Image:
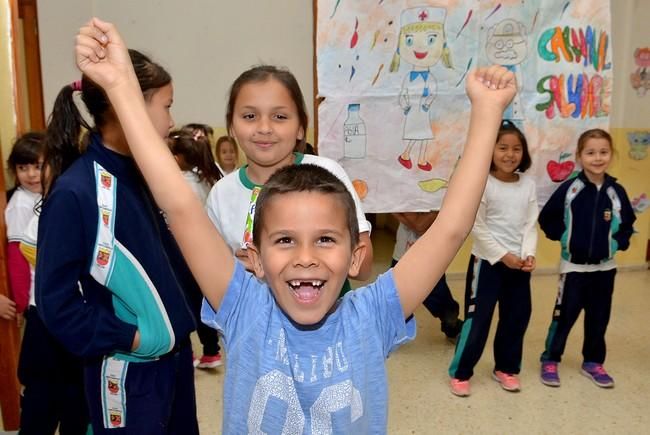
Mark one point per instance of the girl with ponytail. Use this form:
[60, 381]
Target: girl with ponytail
[102, 233]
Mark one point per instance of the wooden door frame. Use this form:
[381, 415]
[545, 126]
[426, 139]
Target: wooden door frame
[32, 83]
[9, 333]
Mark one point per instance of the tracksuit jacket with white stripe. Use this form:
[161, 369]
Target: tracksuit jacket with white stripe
[100, 232]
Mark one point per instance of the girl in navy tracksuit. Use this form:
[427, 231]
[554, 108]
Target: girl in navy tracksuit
[109, 276]
[592, 218]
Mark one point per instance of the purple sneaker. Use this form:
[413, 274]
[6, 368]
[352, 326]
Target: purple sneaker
[549, 375]
[596, 372]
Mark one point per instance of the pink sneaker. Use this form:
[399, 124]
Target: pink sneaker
[459, 388]
[508, 382]
[210, 362]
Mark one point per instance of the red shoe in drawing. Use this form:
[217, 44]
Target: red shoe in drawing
[426, 167]
[405, 162]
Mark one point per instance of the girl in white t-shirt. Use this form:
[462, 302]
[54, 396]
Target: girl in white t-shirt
[503, 256]
[194, 157]
[25, 163]
[262, 101]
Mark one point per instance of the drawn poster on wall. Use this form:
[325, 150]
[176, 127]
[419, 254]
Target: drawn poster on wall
[392, 73]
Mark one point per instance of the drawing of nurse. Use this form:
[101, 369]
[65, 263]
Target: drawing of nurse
[421, 44]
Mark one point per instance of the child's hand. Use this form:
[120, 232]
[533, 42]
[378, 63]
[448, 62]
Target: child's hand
[7, 308]
[136, 341]
[512, 261]
[529, 264]
[101, 54]
[493, 85]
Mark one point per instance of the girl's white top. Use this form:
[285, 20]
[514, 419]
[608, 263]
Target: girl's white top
[201, 188]
[506, 220]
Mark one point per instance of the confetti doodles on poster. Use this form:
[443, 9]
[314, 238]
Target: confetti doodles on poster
[469, 17]
[493, 11]
[374, 39]
[565, 8]
[353, 70]
[433, 185]
[381, 67]
[534, 20]
[355, 35]
[336, 6]
[469, 64]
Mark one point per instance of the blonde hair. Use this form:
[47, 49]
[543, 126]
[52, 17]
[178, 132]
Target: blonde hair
[421, 27]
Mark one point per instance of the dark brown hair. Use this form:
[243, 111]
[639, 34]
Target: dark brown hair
[27, 149]
[305, 178]
[263, 73]
[65, 121]
[195, 150]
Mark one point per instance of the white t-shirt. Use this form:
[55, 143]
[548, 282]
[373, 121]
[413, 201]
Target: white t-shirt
[202, 189]
[19, 212]
[18, 215]
[506, 220]
[29, 239]
[229, 200]
[404, 239]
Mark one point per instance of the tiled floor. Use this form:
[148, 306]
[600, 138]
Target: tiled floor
[420, 401]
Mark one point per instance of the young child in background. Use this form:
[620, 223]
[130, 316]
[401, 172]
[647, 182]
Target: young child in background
[503, 256]
[199, 129]
[592, 218]
[52, 377]
[263, 102]
[100, 230]
[439, 302]
[194, 157]
[191, 148]
[24, 162]
[301, 359]
[52, 396]
[227, 154]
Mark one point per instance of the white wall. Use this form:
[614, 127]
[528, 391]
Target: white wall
[630, 30]
[204, 44]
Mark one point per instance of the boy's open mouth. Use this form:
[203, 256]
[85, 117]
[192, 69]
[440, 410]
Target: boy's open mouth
[306, 291]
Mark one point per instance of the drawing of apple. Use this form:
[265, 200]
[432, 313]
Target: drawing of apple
[560, 170]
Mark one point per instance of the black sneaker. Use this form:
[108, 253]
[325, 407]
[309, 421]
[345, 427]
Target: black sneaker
[452, 329]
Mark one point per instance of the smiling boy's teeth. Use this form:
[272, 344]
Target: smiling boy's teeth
[299, 283]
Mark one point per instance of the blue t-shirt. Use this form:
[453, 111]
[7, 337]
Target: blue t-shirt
[287, 378]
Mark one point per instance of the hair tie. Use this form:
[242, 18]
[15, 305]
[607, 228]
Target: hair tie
[76, 85]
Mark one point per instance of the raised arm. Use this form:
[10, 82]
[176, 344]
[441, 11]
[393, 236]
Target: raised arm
[490, 90]
[103, 57]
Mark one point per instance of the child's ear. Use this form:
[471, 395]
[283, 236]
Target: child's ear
[301, 134]
[358, 254]
[255, 260]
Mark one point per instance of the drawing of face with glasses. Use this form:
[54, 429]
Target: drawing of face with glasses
[506, 43]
